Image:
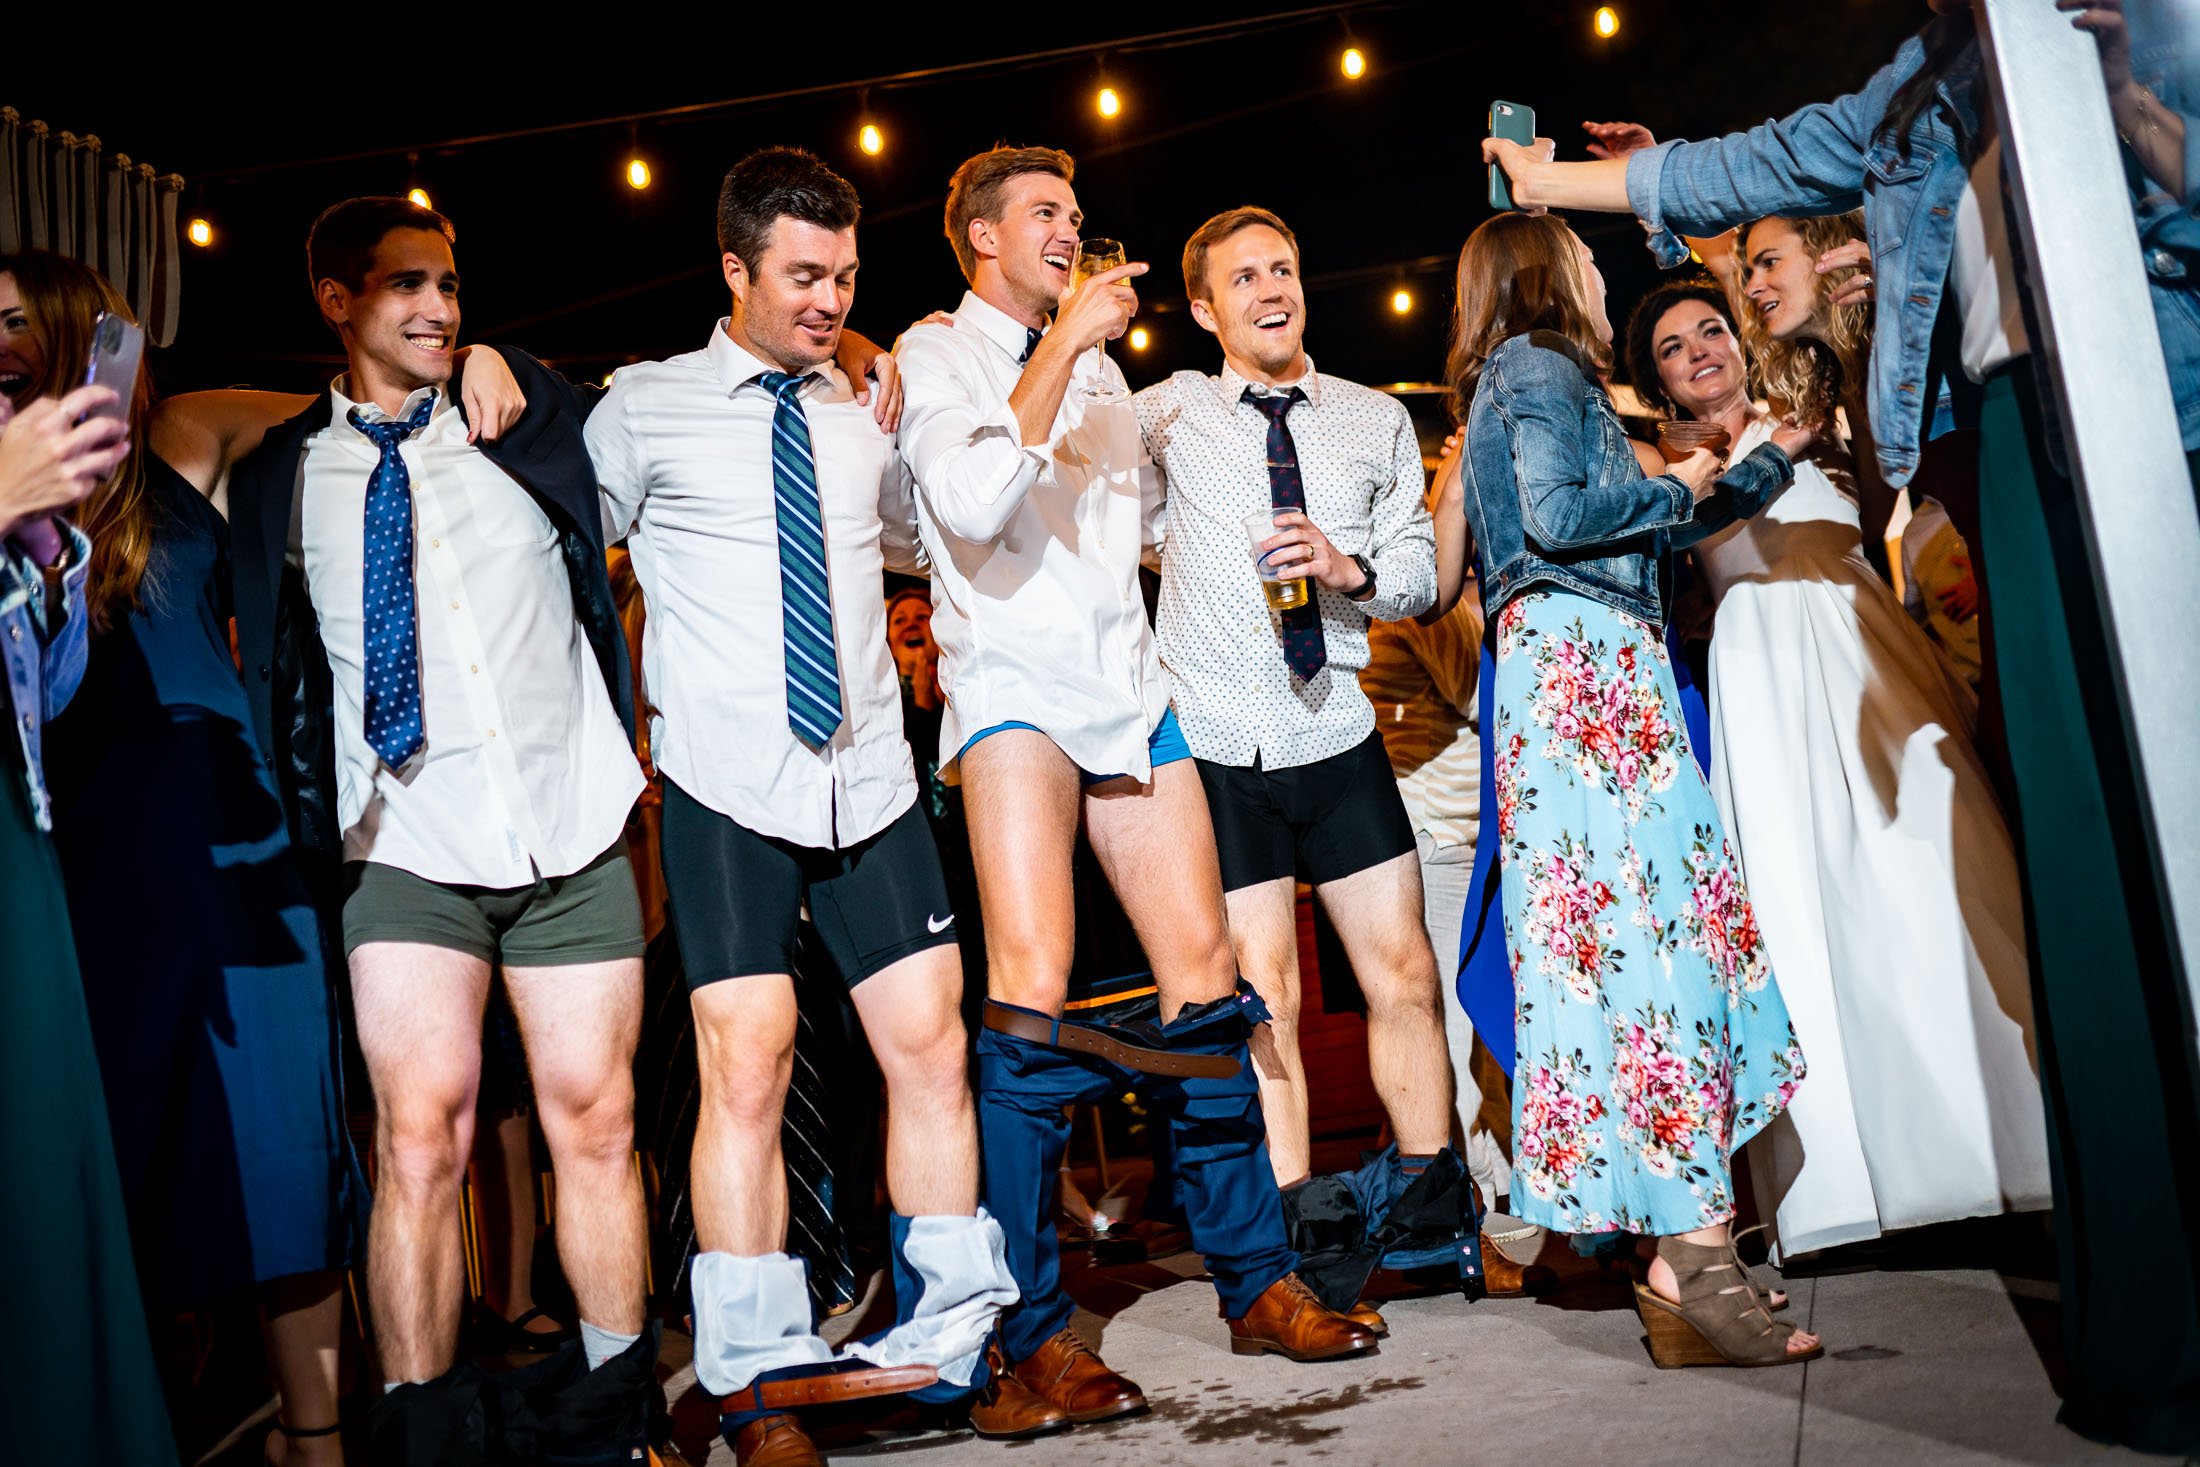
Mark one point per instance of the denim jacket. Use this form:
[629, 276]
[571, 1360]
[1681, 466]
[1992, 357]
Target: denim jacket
[1827, 159]
[45, 660]
[1554, 493]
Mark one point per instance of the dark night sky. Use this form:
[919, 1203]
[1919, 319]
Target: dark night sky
[1379, 178]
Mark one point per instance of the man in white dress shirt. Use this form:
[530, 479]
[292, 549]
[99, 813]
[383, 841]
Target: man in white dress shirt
[433, 662]
[1032, 500]
[764, 504]
[1296, 779]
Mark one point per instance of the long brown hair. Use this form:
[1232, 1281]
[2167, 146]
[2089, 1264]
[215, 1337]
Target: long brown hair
[1518, 273]
[62, 302]
[1809, 374]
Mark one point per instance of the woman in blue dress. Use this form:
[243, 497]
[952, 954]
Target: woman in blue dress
[1651, 1040]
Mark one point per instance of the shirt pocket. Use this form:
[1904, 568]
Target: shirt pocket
[508, 517]
[1894, 187]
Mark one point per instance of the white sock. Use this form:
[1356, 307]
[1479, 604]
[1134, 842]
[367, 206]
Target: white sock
[601, 1344]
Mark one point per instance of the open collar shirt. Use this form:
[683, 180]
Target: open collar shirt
[683, 452]
[526, 772]
[1360, 463]
[1035, 550]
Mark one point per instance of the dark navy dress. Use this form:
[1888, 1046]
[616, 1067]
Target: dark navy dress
[204, 964]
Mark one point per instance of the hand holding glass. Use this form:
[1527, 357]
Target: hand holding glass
[1096, 257]
[1283, 594]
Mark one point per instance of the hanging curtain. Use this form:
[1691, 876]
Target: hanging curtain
[117, 216]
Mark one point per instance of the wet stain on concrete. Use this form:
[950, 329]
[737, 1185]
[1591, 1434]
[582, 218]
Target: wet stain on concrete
[1865, 1352]
[1294, 1424]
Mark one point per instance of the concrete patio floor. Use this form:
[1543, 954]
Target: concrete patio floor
[1924, 1364]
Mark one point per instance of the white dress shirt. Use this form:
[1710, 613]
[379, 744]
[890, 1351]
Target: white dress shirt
[683, 452]
[526, 772]
[1035, 551]
[1360, 464]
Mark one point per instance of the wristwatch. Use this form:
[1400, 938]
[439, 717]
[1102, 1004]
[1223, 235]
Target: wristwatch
[1366, 588]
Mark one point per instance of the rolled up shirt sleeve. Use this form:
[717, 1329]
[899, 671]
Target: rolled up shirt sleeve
[971, 464]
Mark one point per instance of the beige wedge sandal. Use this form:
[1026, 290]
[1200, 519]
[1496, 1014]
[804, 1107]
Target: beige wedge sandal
[1720, 1318]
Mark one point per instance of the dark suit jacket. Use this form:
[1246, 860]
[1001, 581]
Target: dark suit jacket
[286, 671]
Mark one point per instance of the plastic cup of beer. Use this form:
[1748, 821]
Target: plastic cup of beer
[1282, 594]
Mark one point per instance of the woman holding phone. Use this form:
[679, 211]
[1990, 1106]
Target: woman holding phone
[1918, 147]
[1651, 1040]
[203, 960]
[1884, 877]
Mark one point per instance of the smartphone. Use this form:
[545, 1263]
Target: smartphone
[1515, 123]
[118, 347]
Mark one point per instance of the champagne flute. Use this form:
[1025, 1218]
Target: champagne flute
[1095, 257]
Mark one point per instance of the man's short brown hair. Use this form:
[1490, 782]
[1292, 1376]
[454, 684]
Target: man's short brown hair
[1218, 229]
[975, 191]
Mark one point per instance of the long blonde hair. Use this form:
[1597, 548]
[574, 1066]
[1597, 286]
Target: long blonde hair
[62, 302]
[1808, 375]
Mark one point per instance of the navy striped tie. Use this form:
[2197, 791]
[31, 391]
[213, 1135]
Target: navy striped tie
[813, 672]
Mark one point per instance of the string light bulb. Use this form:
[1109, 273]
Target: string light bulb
[200, 232]
[1607, 22]
[1353, 63]
[871, 140]
[1141, 338]
[1401, 301]
[419, 197]
[637, 173]
[1110, 102]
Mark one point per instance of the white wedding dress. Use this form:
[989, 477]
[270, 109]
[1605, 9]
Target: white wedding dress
[1884, 881]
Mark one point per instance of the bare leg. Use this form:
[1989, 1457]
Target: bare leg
[1157, 847]
[1264, 929]
[300, 1320]
[912, 1014]
[744, 1051]
[580, 1023]
[1377, 913]
[1020, 800]
[504, 1201]
[419, 1016]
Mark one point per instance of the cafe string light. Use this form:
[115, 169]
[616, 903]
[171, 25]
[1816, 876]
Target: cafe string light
[419, 197]
[637, 173]
[1353, 63]
[1109, 102]
[871, 140]
[1141, 338]
[1607, 22]
[1401, 301]
[200, 232]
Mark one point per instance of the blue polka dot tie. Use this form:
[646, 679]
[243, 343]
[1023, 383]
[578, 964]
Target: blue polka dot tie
[806, 599]
[394, 727]
[1303, 647]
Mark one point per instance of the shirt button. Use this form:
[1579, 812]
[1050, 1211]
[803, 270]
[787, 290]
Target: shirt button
[435, 544]
[454, 606]
[15, 634]
[30, 720]
[473, 667]
[492, 733]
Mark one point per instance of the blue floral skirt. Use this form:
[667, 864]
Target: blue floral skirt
[1651, 1038]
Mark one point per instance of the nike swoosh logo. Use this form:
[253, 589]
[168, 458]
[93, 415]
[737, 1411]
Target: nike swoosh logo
[940, 924]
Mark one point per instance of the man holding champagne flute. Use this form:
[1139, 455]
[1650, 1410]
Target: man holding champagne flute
[1320, 479]
[1032, 498]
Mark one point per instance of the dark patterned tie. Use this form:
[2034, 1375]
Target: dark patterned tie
[395, 730]
[806, 599]
[1303, 647]
[1031, 343]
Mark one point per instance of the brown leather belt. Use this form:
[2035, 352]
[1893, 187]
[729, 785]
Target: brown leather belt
[828, 1388]
[1037, 1029]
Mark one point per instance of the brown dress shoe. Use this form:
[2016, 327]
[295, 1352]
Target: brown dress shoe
[1369, 1318]
[1065, 1372]
[1009, 1408]
[1504, 1279]
[774, 1441]
[1289, 1320]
